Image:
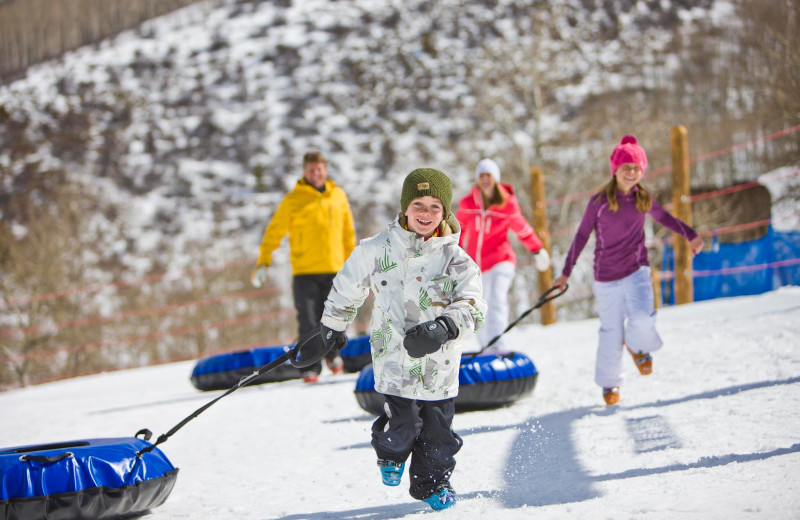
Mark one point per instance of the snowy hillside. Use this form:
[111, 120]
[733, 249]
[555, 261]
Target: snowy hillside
[712, 434]
[137, 174]
[190, 128]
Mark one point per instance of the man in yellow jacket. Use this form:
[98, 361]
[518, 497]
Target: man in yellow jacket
[318, 219]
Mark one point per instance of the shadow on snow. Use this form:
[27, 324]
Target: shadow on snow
[543, 467]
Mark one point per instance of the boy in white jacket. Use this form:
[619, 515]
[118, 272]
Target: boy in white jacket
[427, 299]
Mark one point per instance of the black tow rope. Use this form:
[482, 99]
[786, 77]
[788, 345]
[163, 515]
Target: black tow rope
[307, 351]
[544, 298]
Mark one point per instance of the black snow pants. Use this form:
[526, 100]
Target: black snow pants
[424, 430]
[310, 292]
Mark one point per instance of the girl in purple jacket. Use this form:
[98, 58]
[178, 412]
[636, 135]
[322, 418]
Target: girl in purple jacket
[622, 287]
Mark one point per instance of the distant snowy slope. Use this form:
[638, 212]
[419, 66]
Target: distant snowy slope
[712, 434]
[192, 126]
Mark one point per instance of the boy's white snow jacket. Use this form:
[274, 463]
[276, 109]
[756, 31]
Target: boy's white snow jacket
[413, 281]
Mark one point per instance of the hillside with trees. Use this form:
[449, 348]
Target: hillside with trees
[138, 172]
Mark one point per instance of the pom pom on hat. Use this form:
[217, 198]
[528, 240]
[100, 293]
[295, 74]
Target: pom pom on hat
[427, 181]
[628, 151]
[488, 166]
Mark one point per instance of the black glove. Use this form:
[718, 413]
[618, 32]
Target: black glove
[335, 340]
[428, 337]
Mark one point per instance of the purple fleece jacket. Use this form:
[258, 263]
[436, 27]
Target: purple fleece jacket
[619, 237]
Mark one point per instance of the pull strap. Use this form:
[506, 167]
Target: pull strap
[242, 382]
[307, 351]
[547, 296]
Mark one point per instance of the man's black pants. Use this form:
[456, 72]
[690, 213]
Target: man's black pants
[310, 292]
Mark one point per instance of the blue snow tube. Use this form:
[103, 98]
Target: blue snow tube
[222, 371]
[484, 382]
[92, 478]
[356, 354]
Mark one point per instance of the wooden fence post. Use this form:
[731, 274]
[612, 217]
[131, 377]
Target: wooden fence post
[539, 198]
[682, 209]
[655, 277]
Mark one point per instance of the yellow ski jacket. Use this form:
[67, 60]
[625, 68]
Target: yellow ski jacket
[320, 227]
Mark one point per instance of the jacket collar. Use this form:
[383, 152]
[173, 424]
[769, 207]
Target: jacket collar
[449, 231]
[302, 184]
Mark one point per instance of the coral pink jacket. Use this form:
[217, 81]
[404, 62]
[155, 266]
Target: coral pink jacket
[484, 231]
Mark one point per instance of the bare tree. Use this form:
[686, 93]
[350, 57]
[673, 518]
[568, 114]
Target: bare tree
[32, 31]
[52, 252]
[768, 68]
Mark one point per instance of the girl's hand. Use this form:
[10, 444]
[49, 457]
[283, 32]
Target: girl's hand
[696, 245]
[560, 282]
[541, 260]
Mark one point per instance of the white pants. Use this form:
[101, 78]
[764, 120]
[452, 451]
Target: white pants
[496, 283]
[627, 317]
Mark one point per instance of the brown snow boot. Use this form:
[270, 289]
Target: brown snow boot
[644, 362]
[611, 395]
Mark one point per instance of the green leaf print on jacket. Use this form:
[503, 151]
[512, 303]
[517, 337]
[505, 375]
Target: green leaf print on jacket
[478, 316]
[442, 289]
[447, 286]
[380, 339]
[385, 263]
[416, 368]
[424, 299]
[423, 373]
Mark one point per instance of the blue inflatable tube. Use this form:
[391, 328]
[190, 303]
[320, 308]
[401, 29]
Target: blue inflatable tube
[484, 382]
[93, 478]
[356, 354]
[222, 371]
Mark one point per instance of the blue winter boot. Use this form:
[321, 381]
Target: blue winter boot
[442, 499]
[391, 471]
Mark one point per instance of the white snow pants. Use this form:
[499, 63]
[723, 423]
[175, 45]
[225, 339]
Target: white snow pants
[627, 317]
[496, 283]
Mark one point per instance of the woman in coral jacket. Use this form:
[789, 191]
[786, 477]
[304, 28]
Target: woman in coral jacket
[486, 214]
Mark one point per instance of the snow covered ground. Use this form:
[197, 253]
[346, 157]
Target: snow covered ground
[714, 433]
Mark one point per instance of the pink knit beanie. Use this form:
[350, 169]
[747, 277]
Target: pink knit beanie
[628, 151]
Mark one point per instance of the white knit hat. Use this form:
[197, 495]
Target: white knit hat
[488, 166]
